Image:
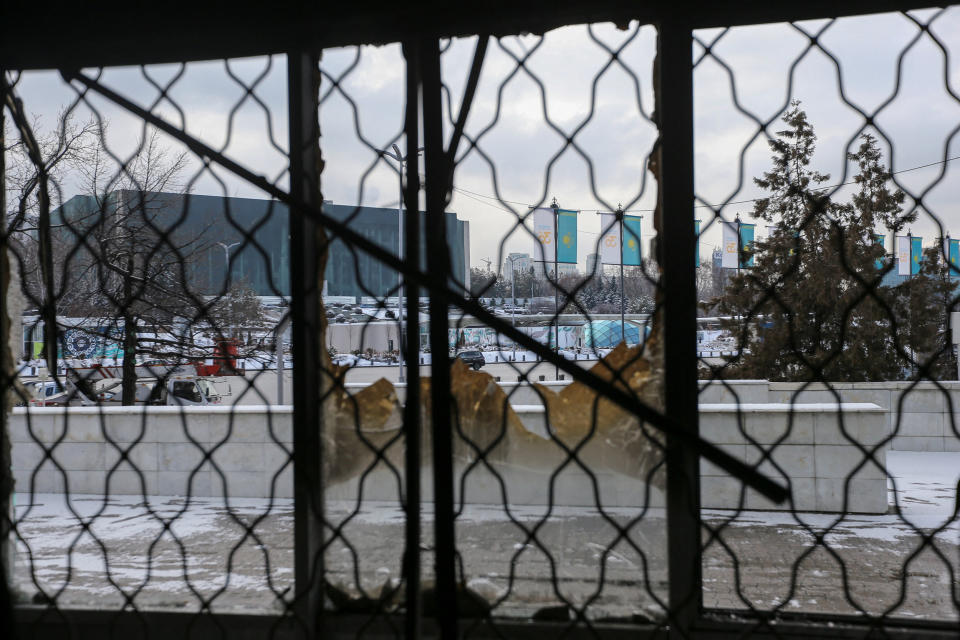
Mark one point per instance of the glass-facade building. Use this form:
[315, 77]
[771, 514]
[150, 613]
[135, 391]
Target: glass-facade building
[252, 236]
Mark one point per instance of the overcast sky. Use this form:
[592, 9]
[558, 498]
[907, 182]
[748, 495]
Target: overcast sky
[522, 120]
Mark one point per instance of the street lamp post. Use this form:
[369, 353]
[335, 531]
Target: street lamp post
[401, 160]
[226, 252]
[513, 295]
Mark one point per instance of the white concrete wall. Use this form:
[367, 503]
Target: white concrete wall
[246, 446]
[811, 453]
[249, 445]
[922, 416]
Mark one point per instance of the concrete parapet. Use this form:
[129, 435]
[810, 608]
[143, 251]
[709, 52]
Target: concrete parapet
[244, 450]
[812, 447]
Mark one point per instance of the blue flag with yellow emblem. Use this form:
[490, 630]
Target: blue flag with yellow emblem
[953, 253]
[880, 239]
[916, 254]
[746, 245]
[697, 233]
[567, 236]
[631, 241]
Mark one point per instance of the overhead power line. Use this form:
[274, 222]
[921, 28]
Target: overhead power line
[473, 195]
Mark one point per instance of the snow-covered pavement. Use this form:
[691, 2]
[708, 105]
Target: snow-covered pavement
[239, 555]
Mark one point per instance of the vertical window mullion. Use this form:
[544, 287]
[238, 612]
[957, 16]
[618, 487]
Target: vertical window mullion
[411, 412]
[438, 265]
[307, 251]
[676, 254]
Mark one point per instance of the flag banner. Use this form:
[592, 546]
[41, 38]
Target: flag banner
[609, 239]
[880, 239]
[631, 241]
[772, 231]
[953, 252]
[696, 227]
[916, 254]
[730, 254]
[903, 255]
[543, 244]
[746, 243]
[567, 234]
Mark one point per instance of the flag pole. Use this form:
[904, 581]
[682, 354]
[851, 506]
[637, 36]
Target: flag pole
[739, 248]
[910, 248]
[556, 286]
[913, 351]
[623, 330]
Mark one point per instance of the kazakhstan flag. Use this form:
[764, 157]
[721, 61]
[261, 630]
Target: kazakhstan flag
[879, 238]
[697, 233]
[631, 241]
[746, 245]
[954, 254]
[916, 254]
[567, 233]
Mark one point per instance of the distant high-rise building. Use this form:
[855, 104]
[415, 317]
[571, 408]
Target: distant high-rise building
[519, 262]
[567, 268]
[593, 261]
[544, 270]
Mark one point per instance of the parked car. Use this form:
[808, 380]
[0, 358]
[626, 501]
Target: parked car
[473, 359]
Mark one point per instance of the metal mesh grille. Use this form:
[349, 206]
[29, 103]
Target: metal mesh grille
[419, 400]
[185, 505]
[863, 334]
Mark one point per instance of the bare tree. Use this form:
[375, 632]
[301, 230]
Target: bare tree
[58, 151]
[137, 253]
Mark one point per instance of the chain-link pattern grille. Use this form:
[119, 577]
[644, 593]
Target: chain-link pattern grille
[431, 359]
[876, 328]
[131, 284]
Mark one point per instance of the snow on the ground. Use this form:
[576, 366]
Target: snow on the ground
[925, 484]
[217, 553]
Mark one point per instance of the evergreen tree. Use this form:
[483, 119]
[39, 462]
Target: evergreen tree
[923, 304]
[874, 197]
[810, 309]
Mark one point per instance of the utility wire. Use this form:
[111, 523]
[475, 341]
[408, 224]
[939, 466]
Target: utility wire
[475, 195]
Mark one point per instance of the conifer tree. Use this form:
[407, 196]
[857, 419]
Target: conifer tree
[810, 309]
[923, 303]
[874, 196]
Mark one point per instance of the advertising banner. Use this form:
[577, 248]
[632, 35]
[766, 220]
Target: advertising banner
[543, 244]
[903, 255]
[609, 239]
[730, 254]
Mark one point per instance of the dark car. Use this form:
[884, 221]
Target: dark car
[472, 358]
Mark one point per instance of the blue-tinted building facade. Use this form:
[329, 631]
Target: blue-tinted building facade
[204, 224]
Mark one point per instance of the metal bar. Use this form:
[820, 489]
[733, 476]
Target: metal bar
[677, 256]
[207, 35]
[306, 273]
[438, 263]
[747, 474]
[469, 92]
[38, 622]
[411, 410]
[7, 393]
